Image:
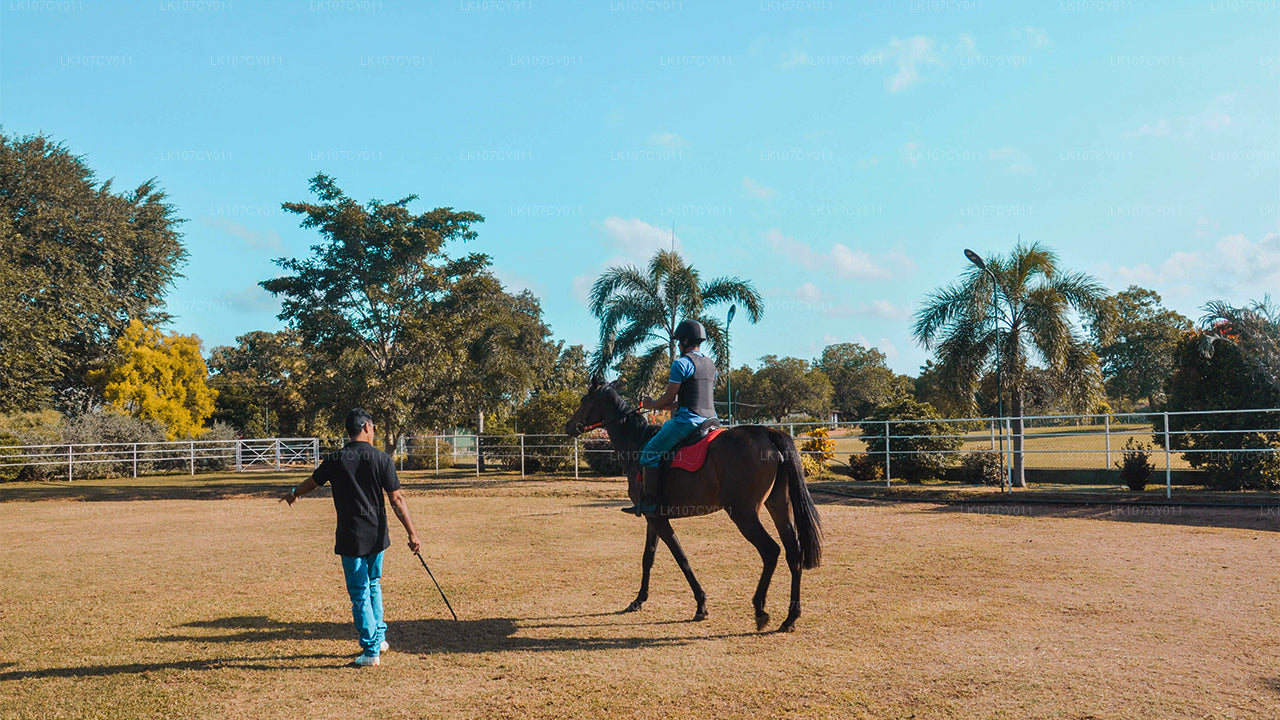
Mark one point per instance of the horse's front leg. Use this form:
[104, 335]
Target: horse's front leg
[650, 549]
[668, 535]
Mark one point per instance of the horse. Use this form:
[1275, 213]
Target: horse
[747, 466]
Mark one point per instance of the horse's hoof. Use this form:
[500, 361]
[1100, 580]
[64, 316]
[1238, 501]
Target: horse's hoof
[633, 607]
[700, 615]
[787, 626]
[762, 619]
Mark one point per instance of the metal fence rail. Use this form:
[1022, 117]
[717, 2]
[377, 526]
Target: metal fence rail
[1059, 442]
[146, 458]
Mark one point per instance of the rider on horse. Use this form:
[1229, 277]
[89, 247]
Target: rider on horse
[690, 386]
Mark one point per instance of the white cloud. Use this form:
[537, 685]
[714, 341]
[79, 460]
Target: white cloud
[911, 150]
[250, 299]
[1033, 36]
[1234, 268]
[808, 293]
[796, 58]
[911, 57]
[878, 309]
[1217, 116]
[582, 288]
[755, 189]
[855, 263]
[515, 282]
[1013, 160]
[1161, 128]
[637, 239]
[670, 141]
[840, 261]
[261, 241]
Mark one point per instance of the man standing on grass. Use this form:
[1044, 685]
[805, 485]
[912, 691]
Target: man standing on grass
[359, 473]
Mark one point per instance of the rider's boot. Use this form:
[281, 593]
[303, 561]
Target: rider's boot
[648, 504]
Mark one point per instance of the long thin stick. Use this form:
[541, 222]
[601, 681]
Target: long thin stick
[433, 579]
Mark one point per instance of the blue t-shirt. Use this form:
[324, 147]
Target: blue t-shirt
[682, 369]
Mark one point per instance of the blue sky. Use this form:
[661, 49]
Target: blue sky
[839, 155]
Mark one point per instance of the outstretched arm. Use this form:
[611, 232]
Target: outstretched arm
[402, 512]
[307, 486]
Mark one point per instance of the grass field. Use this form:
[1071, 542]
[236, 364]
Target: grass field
[1066, 447]
[174, 597]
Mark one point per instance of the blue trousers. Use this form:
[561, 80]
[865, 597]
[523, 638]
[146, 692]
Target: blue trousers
[672, 432]
[364, 585]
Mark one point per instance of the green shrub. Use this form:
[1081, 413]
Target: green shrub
[1135, 465]
[423, 452]
[599, 455]
[9, 454]
[545, 415]
[982, 467]
[813, 467]
[925, 452]
[866, 468]
[216, 458]
[819, 446]
[110, 437]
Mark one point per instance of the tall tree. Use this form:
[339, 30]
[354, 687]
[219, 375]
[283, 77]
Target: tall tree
[1254, 328]
[782, 387]
[1137, 339]
[159, 378]
[78, 262]
[416, 336]
[639, 310]
[263, 385]
[1214, 372]
[860, 379]
[1031, 321]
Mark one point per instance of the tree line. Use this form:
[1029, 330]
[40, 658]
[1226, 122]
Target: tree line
[389, 311]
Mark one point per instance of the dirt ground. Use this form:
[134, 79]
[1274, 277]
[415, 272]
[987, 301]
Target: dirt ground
[226, 604]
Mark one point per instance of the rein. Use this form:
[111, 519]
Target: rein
[602, 423]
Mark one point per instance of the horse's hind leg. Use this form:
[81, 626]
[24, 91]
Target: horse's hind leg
[748, 522]
[780, 510]
[668, 535]
[650, 548]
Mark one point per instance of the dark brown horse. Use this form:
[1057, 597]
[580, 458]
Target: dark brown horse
[747, 466]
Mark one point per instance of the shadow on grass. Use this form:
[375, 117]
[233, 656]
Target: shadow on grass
[225, 486]
[433, 635]
[164, 487]
[1258, 518]
[414, 637]
[273, 662]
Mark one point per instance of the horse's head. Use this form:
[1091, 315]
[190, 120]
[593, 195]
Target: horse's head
[600, 404]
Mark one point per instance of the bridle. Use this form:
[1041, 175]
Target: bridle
[603, 423]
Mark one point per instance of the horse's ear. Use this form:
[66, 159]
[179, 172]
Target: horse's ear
[596, 381]
[616, 384]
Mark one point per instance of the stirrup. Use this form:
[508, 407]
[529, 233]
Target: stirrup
[646, 506]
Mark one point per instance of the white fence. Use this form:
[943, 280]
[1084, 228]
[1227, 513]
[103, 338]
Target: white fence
[1076, 443]
[125, 459]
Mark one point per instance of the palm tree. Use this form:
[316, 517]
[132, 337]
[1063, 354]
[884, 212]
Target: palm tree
[1031, 321]
[639, 310]
[1255, 328]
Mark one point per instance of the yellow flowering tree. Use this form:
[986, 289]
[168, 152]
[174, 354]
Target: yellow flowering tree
[160, 378]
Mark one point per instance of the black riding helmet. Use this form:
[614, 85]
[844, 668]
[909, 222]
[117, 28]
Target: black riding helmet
[690, 332]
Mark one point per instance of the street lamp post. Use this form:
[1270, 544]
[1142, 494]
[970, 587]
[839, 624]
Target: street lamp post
[728, 379]
[977, 260]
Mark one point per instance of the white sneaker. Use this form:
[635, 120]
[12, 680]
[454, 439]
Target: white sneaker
[385, 647]
[363, 660]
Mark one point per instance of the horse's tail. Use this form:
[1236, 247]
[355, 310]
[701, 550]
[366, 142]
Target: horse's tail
[808, 525]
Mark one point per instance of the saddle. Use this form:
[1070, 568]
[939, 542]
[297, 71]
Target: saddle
[690, 453]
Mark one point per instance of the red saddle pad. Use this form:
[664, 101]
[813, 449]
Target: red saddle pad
[691, 458]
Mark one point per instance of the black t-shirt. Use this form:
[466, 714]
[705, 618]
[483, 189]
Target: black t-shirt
[359, 473]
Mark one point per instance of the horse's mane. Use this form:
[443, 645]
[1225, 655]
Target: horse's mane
[632, 423]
